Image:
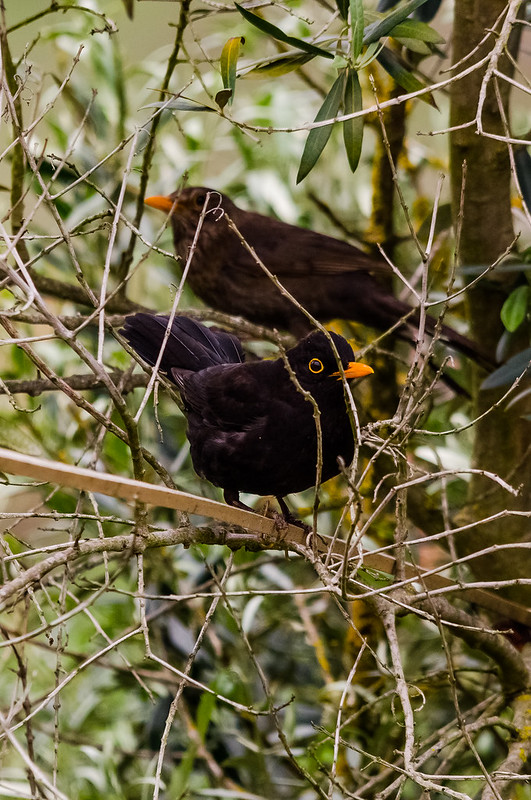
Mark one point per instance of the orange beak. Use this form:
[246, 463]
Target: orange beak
[162, 203]
[355, 370]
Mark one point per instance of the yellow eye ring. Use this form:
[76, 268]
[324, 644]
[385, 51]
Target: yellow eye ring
[315, 366]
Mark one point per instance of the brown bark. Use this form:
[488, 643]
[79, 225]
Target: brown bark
[502, 440]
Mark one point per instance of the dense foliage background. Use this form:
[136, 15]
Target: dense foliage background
[142, 657]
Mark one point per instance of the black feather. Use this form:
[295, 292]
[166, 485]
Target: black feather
[250, 427]
[190, 347]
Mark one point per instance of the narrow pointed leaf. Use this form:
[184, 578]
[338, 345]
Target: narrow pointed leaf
[370, 54]
[415, 45]
[228, 63]
[129, 7]
[428, 11]
[278, 65]
[508, 372]
[353, 128]
[357, 24]
[515, 308]
[413, 29]
[179, 104]
[318, 137]
[384, 26]
[278, 33]
[396, 68]
[342, 6]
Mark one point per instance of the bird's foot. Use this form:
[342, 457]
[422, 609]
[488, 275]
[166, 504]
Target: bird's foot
[281, 524]
[289, 518]
[282, 519]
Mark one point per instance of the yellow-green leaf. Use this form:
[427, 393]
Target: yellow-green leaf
[515, 308]
[275, 66]
[357, 24]
[353, 128]
[414, 29]
[318, 137]
[414, 45]
[228, 63]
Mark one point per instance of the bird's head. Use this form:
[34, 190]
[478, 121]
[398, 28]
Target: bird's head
[186, 206]
[314, 363]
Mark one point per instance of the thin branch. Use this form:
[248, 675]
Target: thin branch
[293, 537]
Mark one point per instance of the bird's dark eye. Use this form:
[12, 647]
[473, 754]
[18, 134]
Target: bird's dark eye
[315, 366]
[200, 199]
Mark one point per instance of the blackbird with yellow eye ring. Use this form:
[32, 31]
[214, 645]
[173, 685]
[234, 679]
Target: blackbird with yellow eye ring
[330, 278]
[250, 427]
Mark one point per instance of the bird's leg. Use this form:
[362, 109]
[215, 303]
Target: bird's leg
[281, 523]
[281, 520]
[233, 499]
[289, 517]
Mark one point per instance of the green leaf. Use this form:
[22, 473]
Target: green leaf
[276, 65]
[342, 6]
[278, 33]
[205, 709]
[374, 577]
[353, 128]
[384, 26]
[357, 24]
[414, 45]
[180, 104]
[507, 373]
[228, 63]
[397, 69]
[414, 29]
[515, 308]
[318, 137]
[370, 54]
[181, 775]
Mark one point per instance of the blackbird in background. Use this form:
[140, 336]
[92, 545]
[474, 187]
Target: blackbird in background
[329, 277]
[249, 426]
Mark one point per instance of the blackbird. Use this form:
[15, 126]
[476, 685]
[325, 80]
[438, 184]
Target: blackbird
[250, 427]
[330, 278]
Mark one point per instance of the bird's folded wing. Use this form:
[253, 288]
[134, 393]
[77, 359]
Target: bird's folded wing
[286, 253]
[226, 397]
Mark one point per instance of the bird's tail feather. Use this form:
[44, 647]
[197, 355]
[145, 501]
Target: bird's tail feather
[190, 346]
[447, 334]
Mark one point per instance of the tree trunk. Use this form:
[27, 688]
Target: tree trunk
[502, 438]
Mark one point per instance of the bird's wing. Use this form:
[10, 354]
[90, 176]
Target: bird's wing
[222, 347]
[227, 397]
[291, 251]
[190, 346]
